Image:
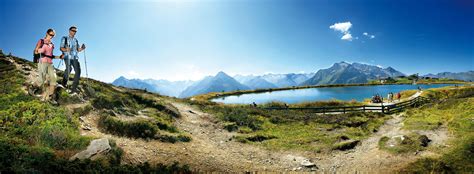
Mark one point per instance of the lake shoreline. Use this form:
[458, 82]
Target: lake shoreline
[214, 95]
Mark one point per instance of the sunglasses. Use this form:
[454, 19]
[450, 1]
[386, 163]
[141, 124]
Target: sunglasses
[52, 35]
[73, 30]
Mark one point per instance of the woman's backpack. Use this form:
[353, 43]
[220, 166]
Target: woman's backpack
[37, 56]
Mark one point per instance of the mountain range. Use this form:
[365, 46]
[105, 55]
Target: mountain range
[346, 73]
[219, 83]
[273, 80]
[338, 73]
[466, 76]
[164, 87]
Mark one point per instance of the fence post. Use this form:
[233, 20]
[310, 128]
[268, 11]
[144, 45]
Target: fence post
[344, 110]
[382, 109]
[363, 107]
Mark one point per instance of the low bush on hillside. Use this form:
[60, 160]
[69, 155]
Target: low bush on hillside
[37, 137]
[146, 129]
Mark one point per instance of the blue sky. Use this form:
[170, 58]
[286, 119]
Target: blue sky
[179, 40]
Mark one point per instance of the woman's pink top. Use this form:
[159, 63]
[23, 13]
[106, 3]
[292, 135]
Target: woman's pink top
[46, 50]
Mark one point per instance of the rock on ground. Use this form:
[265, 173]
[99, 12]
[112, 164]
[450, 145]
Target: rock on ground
[97, 146]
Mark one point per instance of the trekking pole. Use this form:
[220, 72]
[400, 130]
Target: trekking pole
[59, 64]
[85, 63]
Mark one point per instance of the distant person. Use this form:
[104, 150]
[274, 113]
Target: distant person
[70, 48]
[377, 99]
[254, 104]
[419, 88]
[399, 96]
[46, 73]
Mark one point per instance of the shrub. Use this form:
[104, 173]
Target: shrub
[145, 129]
[230, 126]
[135, 129]
[241, 118]
[65, 98]
[254, 138]
[345, 145]
[171, 110]
[107, 102]
[42, 124]
[172, 138]
[82, 111]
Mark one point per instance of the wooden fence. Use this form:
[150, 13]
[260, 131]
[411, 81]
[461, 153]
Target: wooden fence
[387, 109]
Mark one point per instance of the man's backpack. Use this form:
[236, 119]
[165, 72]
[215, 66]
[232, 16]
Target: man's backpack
[37, 56]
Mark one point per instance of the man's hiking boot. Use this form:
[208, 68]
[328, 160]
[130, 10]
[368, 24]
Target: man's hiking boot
[60, 86]
[73, 93]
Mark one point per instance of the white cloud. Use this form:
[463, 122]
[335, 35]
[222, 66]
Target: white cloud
[343, 27]
[347, 36]
[370, 36]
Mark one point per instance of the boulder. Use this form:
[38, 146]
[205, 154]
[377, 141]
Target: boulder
[97, 146]
[424, 140]
[307, 163]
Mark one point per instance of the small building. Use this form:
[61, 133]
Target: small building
[386, 80]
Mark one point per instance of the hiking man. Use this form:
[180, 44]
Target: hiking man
[70, 48]
[47, 75]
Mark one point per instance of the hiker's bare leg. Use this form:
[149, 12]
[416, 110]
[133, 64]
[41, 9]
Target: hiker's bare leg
[50, 91]
[45, 93]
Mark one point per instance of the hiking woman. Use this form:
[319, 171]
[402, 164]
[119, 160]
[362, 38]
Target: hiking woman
[46, 72]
